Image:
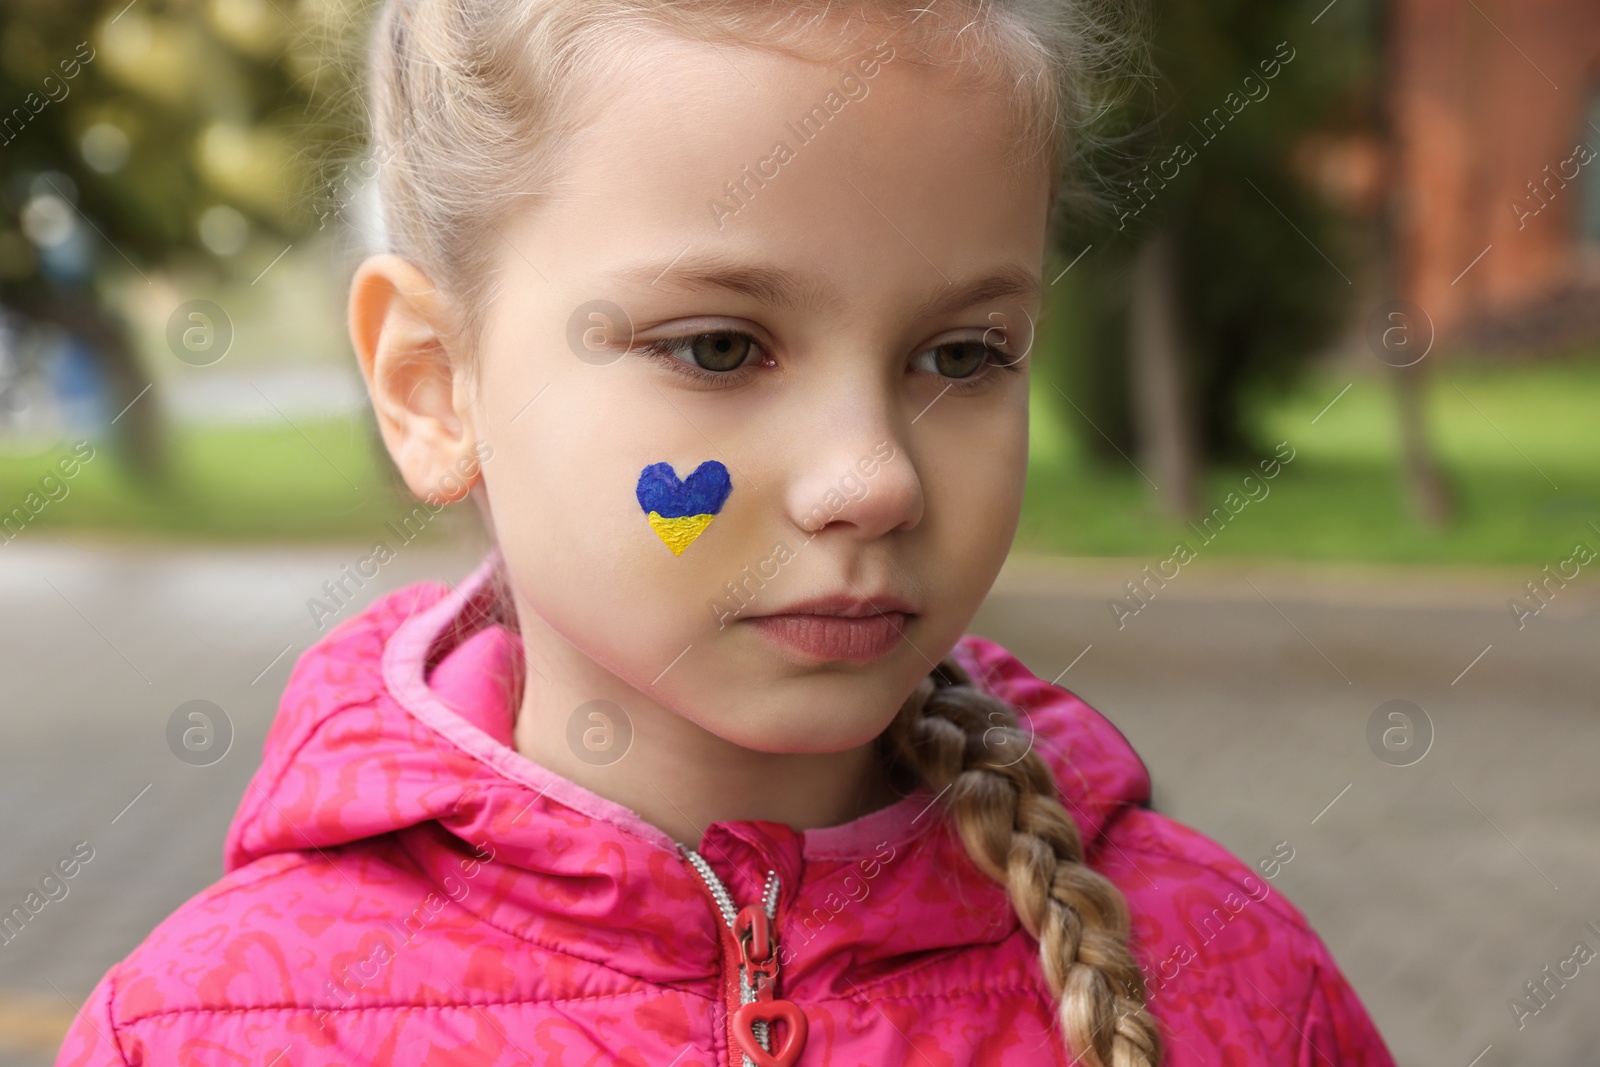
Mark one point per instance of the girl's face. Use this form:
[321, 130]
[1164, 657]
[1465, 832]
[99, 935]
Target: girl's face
[819, 280]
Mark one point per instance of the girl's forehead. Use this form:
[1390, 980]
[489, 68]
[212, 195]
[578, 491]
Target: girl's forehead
[669, 87]
[739, 151]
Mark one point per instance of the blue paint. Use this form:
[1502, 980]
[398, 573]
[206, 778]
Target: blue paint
[702, 493]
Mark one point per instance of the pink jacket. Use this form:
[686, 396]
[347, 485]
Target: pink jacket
[403, 888]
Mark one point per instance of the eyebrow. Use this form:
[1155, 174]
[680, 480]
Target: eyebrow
[781, 288]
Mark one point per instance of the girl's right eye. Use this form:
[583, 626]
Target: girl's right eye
[718, 352]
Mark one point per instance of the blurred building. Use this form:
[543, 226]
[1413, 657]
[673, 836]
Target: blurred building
[1495, 107]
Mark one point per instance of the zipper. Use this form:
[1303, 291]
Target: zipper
[752, 931]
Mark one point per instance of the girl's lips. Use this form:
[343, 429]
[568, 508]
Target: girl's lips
[835, 637]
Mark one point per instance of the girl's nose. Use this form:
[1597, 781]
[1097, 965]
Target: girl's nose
[865, 484]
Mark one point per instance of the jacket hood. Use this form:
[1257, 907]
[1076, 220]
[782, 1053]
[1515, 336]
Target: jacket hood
[398, 722]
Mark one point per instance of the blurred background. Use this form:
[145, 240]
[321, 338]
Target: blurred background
[1357, 241]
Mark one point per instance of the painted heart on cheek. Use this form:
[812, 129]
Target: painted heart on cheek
[679, 510]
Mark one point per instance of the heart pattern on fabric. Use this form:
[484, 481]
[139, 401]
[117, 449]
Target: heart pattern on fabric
[769, 1012]
[679, 510]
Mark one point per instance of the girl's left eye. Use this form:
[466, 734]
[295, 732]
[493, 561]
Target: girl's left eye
[959, 359]
[718, 352]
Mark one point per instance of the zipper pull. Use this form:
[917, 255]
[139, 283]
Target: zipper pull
[753, 930]
[757, 952]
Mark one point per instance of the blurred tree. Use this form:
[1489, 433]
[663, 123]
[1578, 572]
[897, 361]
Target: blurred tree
[1431, 498]
[1219, 268]
[143, 137]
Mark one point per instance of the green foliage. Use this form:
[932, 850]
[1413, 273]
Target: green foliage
[147, 136]
[1268, 269]
[153, 112]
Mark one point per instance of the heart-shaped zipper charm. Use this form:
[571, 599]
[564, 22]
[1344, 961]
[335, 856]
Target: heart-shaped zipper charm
[769, 1012]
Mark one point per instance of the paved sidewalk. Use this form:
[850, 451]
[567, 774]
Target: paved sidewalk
[1441, 886]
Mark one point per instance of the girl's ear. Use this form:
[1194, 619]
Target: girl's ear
[400, 324]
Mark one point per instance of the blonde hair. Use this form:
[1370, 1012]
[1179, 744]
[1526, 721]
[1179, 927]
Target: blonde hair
[960, 740]
[472, 102]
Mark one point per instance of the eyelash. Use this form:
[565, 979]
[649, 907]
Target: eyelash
[665, 350]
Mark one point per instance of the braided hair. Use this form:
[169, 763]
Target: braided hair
[1016, 831]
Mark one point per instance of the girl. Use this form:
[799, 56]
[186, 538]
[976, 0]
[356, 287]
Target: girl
[721, 311]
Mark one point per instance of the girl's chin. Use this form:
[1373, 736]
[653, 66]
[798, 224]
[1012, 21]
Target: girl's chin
[804, 723]
[798, 713]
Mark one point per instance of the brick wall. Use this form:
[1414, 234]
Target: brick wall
[1487, 94]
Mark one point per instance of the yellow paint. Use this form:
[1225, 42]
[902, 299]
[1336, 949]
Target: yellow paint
[679, 534]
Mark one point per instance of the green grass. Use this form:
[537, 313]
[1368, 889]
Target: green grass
[1520, 448]
[1495, 429]
[227, 483]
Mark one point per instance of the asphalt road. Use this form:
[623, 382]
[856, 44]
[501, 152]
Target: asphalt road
[1442, 886]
